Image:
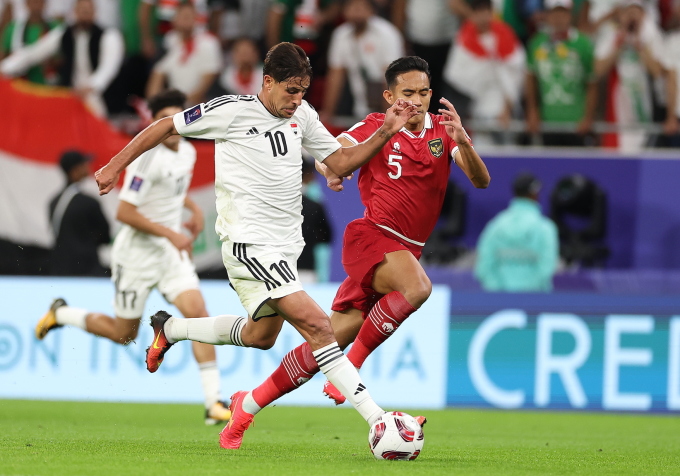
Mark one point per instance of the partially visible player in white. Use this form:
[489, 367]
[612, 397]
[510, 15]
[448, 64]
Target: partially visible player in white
[150, 251]
[258, 182]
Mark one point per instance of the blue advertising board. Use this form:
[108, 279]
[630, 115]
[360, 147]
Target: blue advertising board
[565, 351]
[408, 371]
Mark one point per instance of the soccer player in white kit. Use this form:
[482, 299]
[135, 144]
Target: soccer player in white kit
[258, 158]
[150, 251]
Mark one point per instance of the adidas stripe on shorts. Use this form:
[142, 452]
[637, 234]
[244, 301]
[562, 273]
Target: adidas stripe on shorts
[262, 272]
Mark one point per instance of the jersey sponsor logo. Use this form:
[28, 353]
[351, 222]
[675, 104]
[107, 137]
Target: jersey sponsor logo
[396, 147]
[436, 147]
[252, 132]
[193, 114]
[136, 183]
[294, 127]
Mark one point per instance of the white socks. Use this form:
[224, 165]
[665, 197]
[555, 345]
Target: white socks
[220, 330]
[71, 316]
[341, 373]
[249, 404]
[210, 381]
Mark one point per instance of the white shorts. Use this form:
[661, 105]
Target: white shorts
[259, 273]
[172, 276]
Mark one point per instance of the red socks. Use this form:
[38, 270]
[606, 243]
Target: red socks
[382, 321]
[297, 366]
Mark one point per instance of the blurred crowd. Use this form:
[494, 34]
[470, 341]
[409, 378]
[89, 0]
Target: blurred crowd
[556, 72]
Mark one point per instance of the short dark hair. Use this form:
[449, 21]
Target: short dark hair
[285, 61]
[404, 65]
[481, 5]
[169, 98]
[526, 185]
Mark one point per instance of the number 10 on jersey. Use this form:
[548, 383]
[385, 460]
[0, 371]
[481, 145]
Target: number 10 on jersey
[278, 143]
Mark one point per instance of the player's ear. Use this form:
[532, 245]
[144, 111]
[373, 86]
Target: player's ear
[267, 82]
[389, 97]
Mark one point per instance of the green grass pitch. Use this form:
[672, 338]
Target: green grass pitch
[101, 439]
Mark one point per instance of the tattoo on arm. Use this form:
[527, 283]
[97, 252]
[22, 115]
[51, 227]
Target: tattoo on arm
[384, 134]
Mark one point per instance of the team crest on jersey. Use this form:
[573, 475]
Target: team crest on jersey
[192, 115]
[294, 127]
[436, 147]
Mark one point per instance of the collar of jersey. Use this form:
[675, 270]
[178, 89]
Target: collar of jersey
[265, 108]
[428, 125]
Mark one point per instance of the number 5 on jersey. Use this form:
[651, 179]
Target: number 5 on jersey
[392, 160]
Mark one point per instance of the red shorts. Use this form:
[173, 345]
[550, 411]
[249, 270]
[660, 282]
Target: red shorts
[364, 247]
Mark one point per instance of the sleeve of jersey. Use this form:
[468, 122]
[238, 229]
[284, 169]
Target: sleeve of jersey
[137, 180]
[316, 139]
[206, 120]
[361, 131]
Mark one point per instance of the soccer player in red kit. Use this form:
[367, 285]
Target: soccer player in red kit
[403, 189]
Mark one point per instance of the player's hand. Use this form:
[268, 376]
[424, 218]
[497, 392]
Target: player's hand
[195, 224]
[106, 179]
[181, 241]
[334, 182]
[398, 115]
[454, 126]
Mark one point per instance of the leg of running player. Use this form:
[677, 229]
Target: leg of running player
[299, 365]
[309, 319]
[117, 329]
[226, 329]
[403, 281]
[192, 305]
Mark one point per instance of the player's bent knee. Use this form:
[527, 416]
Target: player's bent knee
[319, 328]
[263, 343]
[419, 292]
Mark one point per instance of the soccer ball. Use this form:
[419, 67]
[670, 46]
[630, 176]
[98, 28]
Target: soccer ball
[396, 435]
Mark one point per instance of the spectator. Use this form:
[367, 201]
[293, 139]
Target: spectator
[5, 13]
[20, 33]
[90, 57]
[487, 63]
[597, 16]
[627, 56]
[429, 26]
[299, 21]
[314, 261]
[192, 62]
[156, 19]
[673, 65]
[518, 249]
[360, 49]
[243, 74]
[523, 16]
[78, 223]
[560, 83]
[231, 20]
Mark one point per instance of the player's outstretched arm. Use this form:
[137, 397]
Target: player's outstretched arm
[467, 157]
[346, 160]
[107, 176]
[129, 215]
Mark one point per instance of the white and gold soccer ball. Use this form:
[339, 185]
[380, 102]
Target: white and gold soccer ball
[396, 435]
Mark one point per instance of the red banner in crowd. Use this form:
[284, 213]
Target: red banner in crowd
[39, 123]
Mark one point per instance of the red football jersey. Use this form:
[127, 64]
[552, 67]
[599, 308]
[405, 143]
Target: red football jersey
[403, 186]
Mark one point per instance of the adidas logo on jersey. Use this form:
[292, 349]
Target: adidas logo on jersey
[253, 131]
[360, 389]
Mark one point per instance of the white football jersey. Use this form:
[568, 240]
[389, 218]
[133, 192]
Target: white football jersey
[157, 184]
[258, 165]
